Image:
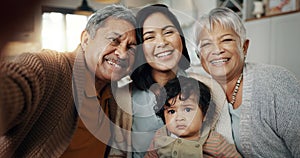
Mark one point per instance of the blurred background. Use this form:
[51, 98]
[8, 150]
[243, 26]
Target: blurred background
[33, 25]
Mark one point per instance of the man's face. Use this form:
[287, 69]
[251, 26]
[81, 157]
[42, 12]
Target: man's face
[110, 54]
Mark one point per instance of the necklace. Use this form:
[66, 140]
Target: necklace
[236, 89]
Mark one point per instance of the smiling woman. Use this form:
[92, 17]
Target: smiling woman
[161, 57]
[162, 43]
[260, 97]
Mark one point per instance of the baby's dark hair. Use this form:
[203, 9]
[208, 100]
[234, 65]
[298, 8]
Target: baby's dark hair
[184, 87]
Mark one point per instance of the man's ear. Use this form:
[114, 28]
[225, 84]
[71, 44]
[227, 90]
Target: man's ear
[246, 46]
[84, 39]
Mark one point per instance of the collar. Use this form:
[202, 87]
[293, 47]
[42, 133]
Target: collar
[84, 80]
[181, 72]
[89, 88]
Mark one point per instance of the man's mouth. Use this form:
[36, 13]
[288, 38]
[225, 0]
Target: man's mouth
[115, 63]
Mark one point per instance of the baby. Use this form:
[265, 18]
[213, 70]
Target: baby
[182, 104]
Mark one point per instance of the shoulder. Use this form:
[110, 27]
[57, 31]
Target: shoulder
[33, 58]
[272, 75]
[267, 70]
[53, 55]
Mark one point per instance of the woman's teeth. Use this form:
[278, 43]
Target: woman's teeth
[219, 61]
[160, 55]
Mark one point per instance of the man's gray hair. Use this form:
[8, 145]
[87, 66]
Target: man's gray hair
[116, 11]
[223, 16]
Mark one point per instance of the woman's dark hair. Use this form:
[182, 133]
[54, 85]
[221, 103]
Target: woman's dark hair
[184, 87]
[141, 75]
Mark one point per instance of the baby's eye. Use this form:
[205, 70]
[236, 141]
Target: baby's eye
[187, 109]
[171, 111]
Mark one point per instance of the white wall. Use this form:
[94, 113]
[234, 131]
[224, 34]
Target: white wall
[276, 40]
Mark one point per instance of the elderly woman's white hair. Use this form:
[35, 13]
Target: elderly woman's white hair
[223, 16]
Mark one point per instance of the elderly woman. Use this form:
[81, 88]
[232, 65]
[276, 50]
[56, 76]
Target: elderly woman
[263, 100]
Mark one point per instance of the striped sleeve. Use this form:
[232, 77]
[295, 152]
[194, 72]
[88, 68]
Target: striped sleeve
[217, 146]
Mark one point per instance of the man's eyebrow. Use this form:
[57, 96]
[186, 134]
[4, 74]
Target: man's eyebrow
[116, 34]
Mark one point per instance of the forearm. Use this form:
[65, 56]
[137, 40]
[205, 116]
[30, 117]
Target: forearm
[11, 104]
[19, 94]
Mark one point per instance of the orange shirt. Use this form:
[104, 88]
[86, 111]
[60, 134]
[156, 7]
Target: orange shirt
[84, 144]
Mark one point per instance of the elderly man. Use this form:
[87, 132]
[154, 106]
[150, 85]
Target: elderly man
[60, 104]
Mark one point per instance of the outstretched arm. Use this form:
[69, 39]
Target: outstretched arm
[20, 90]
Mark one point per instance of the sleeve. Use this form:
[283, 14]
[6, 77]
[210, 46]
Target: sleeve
[20, 83]
[217, 146]
[287, 105]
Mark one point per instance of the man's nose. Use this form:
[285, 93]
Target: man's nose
[121, 51]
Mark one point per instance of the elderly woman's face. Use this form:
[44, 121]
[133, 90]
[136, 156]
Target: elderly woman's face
[221, 52]
[162, 43]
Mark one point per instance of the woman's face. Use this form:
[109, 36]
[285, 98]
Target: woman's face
[221, 52]
[162, 43]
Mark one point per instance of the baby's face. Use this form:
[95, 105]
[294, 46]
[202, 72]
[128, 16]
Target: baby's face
[184, 118]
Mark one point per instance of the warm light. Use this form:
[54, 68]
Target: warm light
[62, 32]
[83, 12]
[52, 32]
